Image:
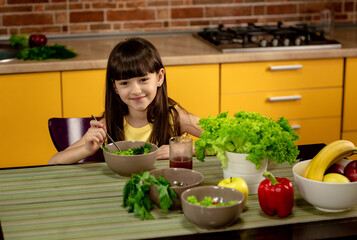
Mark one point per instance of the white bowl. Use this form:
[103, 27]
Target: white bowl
[325, 196]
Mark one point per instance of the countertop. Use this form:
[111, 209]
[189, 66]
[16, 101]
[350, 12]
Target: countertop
[83, 201]
[175, 49]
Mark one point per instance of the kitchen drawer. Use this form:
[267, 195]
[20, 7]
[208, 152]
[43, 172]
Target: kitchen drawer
[256, 77]
[315, 103]
[352, 136]
[319, 130]
[350, 96]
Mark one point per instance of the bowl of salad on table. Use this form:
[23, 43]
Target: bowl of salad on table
[134, 157]
[180, 179]
[212, 207]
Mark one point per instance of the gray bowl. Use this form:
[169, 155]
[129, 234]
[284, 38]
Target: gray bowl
[125, 165]
[213, 217]
[189, 178]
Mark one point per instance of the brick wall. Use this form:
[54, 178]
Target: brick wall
[62, 17]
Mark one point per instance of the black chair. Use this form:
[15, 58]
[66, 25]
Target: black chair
[66, 131]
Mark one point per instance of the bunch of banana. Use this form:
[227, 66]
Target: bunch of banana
[329, 155]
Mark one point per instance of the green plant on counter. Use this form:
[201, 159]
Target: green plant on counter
[19, 41]
[56, 51]
[250, 133]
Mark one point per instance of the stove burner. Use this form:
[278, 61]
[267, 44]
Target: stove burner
[263, 38]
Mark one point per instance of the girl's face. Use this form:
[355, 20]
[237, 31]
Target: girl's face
[139, 92]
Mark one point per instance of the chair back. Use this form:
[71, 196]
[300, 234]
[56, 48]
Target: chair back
[66, 131]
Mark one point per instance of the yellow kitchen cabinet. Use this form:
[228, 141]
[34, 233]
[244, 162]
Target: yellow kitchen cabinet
[328, 130]
[350, 96]
[349, 124]
[27, 101]
[281, 75]
[83, 93]
[305, 91]
[312, 103]
[195, 87]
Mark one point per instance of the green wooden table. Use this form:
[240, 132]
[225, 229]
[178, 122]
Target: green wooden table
[83, 201]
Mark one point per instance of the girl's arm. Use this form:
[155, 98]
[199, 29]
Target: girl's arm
[188, 123]
[84, 147]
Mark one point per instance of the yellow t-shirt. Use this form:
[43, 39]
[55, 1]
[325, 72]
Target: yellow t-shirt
[137, 134]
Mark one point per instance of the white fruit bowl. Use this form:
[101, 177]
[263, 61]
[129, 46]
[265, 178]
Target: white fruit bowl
[325, 196]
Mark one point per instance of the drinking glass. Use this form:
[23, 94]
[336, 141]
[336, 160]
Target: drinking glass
[327, 21]
[181, 148]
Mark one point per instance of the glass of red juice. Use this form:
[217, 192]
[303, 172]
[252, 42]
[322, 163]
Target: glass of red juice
[181, 149]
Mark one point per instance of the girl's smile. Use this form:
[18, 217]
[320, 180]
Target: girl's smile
[137, 98]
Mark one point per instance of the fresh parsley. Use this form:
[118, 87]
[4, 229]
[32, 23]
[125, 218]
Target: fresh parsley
[56, 51]
[136, 194]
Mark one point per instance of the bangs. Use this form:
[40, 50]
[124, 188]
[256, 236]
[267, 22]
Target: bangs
[134, 60]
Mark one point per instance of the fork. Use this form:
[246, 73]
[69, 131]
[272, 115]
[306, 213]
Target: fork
[111, 139]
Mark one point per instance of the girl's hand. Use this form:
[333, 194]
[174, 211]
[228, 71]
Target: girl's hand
[163, 152]
[95, 136]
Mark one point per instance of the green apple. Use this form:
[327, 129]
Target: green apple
[236, 183]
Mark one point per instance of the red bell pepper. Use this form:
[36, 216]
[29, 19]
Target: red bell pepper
[276, 195]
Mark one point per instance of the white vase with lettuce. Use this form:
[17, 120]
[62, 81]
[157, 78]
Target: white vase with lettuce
[246, 143]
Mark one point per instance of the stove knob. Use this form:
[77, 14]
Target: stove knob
[263, 43]
[274, 42]
[286, 42]
[298, 41]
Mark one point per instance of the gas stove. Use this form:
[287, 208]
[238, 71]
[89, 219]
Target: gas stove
[277, 37]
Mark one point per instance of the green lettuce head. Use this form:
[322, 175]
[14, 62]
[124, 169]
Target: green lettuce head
[250, 133]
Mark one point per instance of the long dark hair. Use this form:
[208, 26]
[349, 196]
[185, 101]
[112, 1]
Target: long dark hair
[137, 57]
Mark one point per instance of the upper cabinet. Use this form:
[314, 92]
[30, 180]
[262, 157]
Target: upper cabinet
[27, 101]
[308, 93]
[350, 101]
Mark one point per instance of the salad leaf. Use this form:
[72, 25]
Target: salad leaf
[250, 133]
[136, 190]
[208, 202]
[135, 151]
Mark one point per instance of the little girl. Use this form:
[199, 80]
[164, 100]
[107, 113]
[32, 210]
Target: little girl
[137, 106]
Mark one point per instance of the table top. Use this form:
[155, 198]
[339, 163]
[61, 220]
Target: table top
[83, 201]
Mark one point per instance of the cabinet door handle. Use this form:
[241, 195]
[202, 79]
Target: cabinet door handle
[285, 67]
[284, 98]
[296, 126]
